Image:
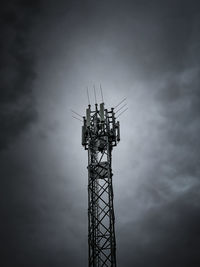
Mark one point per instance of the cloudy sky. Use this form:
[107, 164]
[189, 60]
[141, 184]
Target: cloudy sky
[147, 51]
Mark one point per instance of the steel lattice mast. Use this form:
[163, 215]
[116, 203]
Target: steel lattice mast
[100, 133]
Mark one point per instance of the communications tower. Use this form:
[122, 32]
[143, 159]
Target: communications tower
[100, 133]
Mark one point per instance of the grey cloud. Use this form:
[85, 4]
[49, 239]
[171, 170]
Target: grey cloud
[16, 68]
[167, 235]
[146, 50]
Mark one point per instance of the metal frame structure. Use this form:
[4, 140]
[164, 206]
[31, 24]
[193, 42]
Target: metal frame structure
[100, 133]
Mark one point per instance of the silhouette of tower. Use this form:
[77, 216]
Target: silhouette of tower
[100, 133]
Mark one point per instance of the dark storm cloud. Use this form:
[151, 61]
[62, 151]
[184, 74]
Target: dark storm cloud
[147, 50]
[16, 68]
[17, 111]
[167, 237]
[33, 212]
[168, 233]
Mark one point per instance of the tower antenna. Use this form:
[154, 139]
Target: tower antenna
[101, 93]
[88, 97]
[121, 113]
[76, 118]
[120, 108]
[76, 113]
[120, 102]
[95, 96]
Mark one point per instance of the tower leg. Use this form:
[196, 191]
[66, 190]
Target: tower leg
[101, 230]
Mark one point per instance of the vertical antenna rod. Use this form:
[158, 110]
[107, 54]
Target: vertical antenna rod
[95, 95]
[88, 97]
[101, 93]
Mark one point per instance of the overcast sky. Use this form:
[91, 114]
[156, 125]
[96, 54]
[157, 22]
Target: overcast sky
[147, 51]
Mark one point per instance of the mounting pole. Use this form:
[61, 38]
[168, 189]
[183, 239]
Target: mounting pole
[101, 93]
